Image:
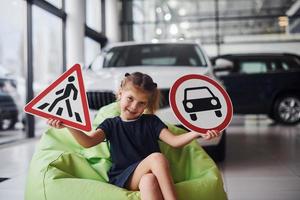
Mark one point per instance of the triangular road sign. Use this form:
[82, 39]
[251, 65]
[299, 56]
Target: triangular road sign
[65, 99]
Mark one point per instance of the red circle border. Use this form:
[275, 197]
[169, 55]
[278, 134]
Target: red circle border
[187, 124]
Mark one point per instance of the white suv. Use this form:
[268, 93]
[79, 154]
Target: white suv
[164, 62]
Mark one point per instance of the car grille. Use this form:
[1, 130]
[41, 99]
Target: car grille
[97, 100]
[164, 98]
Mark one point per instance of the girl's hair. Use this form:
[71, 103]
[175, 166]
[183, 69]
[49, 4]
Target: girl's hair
[145, 83]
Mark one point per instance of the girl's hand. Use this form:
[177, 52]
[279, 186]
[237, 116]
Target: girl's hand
[55, 123]
[210, 134]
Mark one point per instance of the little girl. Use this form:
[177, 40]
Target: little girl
[133, 136]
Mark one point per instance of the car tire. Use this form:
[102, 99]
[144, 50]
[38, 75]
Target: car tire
[7, 124]
[218, 153]
[218, 113]
[193, 117]
[286, 109]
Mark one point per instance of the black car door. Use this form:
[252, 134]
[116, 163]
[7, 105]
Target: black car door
[247, 84]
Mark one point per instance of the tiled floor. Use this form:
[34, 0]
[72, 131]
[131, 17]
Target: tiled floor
[262, 162]
[14, 165]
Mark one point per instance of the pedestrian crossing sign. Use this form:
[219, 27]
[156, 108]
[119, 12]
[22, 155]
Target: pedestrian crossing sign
[65, 100]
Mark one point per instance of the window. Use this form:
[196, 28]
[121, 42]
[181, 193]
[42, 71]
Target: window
[91, 50]
[12, 68]
[273, 66]
[47, 48]
[47, 52]
[198, 93]
[56, 3]
[251, 67]
[94, 39]
[155, 54]
[93, 14]
[291, 63]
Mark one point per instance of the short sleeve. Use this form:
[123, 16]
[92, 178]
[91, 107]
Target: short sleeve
[106, 127]
[157, 126]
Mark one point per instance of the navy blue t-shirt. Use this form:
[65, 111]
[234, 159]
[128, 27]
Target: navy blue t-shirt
[130, 143]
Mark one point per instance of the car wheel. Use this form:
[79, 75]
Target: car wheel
[287, 109]
[217, 153]
[193, 117]
[218, 113]
[7, 124]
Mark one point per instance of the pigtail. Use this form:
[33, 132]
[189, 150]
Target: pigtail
[153, 104]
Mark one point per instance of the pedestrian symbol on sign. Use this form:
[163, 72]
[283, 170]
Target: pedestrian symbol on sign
[66, 93]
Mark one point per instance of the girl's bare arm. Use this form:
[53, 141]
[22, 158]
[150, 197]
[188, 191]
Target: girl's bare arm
[183, 139]
[83, 139]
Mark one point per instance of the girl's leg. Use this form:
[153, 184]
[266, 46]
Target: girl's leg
[157, 164]
[149, 188]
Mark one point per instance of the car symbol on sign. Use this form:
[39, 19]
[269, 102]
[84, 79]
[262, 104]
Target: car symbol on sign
[199, 99]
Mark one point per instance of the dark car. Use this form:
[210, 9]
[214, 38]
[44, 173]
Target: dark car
[199, 99]
[266, 83]
[8, 111]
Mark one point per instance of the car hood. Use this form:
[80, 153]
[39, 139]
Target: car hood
[109, 78]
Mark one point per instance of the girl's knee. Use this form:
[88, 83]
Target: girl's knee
[148, 182]
[158, 159]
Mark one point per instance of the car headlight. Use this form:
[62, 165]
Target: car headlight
[189, 105]
[214, 102]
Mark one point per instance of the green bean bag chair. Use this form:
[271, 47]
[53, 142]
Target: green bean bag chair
[62, 169]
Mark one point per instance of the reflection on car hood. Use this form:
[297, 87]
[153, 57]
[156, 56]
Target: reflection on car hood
[109, 78]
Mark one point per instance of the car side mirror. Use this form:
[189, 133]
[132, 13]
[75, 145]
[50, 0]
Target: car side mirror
[222, 66]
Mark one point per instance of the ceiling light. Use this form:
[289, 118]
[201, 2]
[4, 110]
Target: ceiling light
[184, 25]
[158, 10]
[168, 17]
[154, 40]
[158, 31]
[182, 12]
[173, 29]
[173, 4]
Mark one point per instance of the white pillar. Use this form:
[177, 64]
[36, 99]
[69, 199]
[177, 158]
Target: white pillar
[75, 10]
[93, 15]
[112, 20]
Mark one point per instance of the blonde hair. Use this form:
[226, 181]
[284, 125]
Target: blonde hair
[144, 83]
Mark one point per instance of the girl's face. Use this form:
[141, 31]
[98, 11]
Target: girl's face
[133, 102]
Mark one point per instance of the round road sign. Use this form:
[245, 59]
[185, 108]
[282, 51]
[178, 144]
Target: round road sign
[200, 103]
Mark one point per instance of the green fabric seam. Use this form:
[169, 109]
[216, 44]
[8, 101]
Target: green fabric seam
[47, 171]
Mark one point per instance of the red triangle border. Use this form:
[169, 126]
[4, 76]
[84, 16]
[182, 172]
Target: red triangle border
[29, 107]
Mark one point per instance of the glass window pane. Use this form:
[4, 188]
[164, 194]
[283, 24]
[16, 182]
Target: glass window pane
[250, 67]
[285, 66]
[12, 69]
[195, 20]
[91, 50]
[176, 20]
[93, 14]
[56, 3]
[154, 54]
[47, 51]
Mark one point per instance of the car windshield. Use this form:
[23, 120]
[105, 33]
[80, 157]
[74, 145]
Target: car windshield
[198, 93]
[155, 55]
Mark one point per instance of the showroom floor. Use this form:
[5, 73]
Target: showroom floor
[262, 163]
